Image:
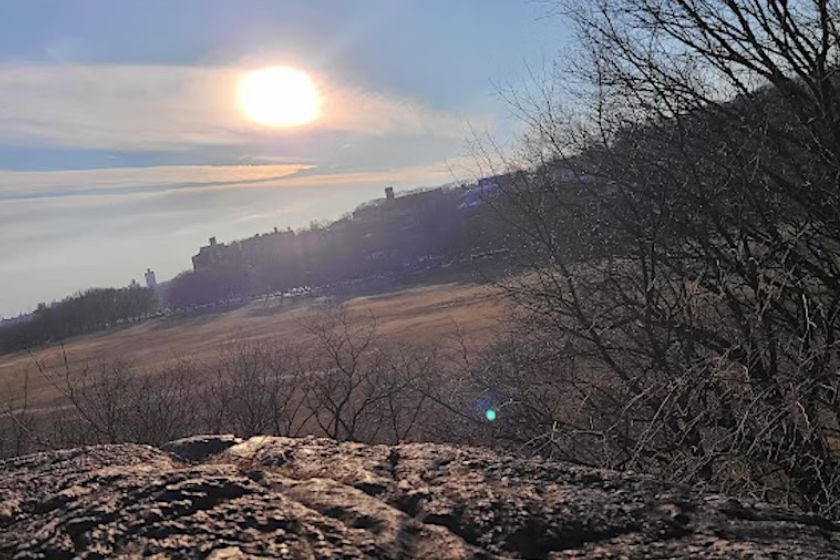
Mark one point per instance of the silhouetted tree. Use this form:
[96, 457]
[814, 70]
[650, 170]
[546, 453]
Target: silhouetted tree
[689, 327]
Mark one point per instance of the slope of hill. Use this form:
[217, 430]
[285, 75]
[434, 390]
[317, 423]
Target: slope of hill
[420, 314]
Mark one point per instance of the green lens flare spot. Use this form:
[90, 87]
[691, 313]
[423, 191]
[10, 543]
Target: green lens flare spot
[490, 414]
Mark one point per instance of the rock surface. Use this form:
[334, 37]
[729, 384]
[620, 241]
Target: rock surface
[199, 448]
[312, 498]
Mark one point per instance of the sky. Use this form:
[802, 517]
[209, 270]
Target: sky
[122, 145]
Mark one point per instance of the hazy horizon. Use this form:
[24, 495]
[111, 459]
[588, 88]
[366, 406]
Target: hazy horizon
[122, 146]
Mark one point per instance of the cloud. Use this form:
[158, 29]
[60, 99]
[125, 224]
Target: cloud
[33, 185]
[141, 107]
[432, 174]
[21, 185]
[358, 110]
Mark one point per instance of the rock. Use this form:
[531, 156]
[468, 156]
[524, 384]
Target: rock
[199, 448]
[314, 498]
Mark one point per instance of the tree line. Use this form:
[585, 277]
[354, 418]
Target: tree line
[86, 312]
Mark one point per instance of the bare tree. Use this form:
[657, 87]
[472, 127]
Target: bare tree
[18, 430]
[100, 396]
[360, 390]
[288, 400]
[404, 400]
[684, 223]
[113, 402]
[344, 385]
[163, 405]
[257, 390]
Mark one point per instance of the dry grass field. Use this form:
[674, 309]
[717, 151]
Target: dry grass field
[426, 314]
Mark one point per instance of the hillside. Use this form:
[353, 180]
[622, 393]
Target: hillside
[419, 315]
[315, 498]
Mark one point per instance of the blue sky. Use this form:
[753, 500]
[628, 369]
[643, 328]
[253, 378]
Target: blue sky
[121, 146]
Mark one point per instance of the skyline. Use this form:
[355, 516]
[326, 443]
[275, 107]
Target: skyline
[122, 147]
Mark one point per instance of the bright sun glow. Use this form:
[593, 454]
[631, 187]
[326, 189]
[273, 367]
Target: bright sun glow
[279, 96]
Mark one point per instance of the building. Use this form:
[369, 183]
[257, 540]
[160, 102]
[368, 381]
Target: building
[384, 237]
[268, 247]
[151, 281]
[217, 256]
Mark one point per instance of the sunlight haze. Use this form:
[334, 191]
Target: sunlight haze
[129, 137]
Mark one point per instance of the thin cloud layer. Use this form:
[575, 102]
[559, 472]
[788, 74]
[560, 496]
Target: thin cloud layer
[18, 185]
[27, 185]
[125, 107]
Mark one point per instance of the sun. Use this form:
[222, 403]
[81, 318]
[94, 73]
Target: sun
[279, 96]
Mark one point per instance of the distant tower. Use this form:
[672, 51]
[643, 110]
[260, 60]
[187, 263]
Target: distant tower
[389, 193]
[212, 241]
[151, 281]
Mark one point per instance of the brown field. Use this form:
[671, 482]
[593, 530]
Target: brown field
[420, 315]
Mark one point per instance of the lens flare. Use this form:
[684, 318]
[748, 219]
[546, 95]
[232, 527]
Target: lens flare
[490, 414]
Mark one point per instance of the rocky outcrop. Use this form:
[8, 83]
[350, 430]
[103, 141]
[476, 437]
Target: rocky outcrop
[311, 498]
[199, 448]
